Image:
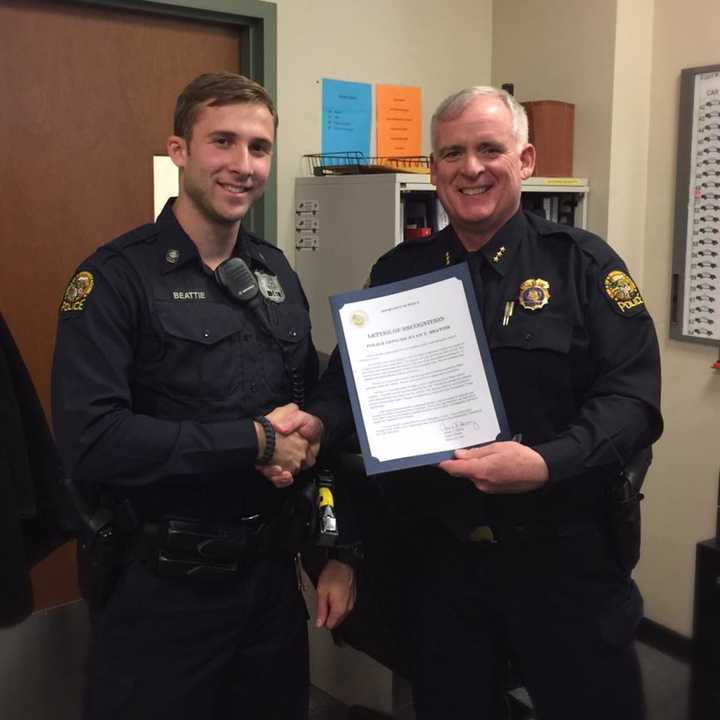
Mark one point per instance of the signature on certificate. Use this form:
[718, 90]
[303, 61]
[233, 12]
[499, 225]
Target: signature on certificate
[457, 428]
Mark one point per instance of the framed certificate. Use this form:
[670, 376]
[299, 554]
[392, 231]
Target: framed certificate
[418, 370]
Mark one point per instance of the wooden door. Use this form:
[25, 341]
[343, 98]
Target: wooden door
[87, 97]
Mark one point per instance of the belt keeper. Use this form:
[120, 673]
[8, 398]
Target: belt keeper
[269, 431]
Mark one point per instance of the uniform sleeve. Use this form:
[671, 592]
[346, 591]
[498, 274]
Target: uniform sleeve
[99, 436]
[330, 402]
[619, 414]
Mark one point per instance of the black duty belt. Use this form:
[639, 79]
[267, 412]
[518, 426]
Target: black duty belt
[187, 547]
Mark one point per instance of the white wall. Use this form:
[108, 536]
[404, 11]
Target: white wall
[438, 46]
[630, 132]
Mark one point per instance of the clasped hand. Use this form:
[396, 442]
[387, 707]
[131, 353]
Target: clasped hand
[297, 443]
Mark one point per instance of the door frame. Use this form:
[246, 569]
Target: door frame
[258, 60]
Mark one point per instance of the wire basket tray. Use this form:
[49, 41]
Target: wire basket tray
[355, 163]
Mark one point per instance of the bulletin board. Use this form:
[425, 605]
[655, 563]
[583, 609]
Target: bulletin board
[695, 312]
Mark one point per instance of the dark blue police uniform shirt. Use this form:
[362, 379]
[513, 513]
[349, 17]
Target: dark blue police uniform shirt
[579, 376]
[158, 372]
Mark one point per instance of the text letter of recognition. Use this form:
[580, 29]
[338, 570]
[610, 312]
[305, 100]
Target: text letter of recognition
[418, 370]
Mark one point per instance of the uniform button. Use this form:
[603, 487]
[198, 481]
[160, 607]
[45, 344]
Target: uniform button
[528, 337]
[293, 333]
[206, 334]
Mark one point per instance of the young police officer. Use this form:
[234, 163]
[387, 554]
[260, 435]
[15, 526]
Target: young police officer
[528, 569]
[165, 388]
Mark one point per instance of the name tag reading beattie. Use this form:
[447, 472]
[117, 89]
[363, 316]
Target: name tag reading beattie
[189, 295]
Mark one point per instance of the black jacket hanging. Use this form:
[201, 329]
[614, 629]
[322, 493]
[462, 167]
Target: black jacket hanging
[30, 476]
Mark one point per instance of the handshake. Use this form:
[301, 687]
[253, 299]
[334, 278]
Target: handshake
[297, 442]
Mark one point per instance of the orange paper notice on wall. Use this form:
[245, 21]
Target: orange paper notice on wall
[397, 121]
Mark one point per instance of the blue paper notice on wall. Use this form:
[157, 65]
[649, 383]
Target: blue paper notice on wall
[347, 116]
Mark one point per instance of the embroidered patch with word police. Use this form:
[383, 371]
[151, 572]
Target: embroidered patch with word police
[534, 293]
[623, 293]
[77, 292]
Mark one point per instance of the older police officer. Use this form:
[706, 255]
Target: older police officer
[520, 559]
[165, 388]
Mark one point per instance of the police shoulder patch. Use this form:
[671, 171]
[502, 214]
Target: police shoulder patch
[77, 292]
[623, 293]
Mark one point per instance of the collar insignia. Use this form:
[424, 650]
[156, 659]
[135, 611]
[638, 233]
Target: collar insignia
[270, 287]
[77, 292]
[623, 292]
[498, 255]
[534, 293]
[172, 256]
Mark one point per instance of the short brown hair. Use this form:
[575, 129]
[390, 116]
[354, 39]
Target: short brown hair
[222, 89]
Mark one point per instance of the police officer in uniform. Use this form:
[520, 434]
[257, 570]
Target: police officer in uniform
[519, 560]
[166, 385]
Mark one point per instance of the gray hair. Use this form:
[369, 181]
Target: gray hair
[454, 106]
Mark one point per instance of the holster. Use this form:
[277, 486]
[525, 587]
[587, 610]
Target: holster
[99, 552]
[624, 510]
[296, 523]
[99, 564]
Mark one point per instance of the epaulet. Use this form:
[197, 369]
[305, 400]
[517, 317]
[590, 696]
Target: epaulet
[144, 233]
[259, 241]
[588, 243]
[139, 234]
[118, 246]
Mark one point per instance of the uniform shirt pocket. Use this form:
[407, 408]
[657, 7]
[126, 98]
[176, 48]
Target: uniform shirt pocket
[533, 364]
[202, 353]
[534, 332]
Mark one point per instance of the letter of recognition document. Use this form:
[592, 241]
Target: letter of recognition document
[418, 370]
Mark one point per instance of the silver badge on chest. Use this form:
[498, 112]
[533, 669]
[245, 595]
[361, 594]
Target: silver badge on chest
[270, 287]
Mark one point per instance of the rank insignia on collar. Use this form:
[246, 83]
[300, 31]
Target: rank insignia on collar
[172, 256]
[270, 287]
[534, 293]
[77, 291]
[497, 257]
[623, 292]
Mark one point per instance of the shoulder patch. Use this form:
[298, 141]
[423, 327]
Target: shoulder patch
[623, 293]
[77, 292]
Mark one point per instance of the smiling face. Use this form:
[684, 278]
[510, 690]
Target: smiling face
[478, 168]
[225, 164]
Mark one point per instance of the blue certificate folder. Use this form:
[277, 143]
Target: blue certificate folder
[461, 271]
